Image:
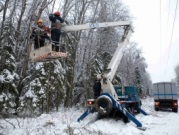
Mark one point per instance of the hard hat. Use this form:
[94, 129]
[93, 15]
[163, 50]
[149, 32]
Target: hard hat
[39, 21]
[57, 13]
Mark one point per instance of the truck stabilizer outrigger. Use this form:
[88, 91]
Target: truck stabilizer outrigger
[110, 103]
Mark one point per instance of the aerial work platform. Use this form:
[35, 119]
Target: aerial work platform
[45, 53]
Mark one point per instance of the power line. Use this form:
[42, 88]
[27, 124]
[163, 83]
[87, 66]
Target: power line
[160, 36]
[167, 24]
[166, 39]
[171, 35]
[160, 24]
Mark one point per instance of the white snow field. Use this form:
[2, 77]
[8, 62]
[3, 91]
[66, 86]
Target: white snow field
[65, 122]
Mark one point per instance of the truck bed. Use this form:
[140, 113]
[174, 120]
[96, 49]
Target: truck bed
[165, 96]
[165, 91]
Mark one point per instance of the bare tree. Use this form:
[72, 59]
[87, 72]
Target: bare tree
[2, 6]
[5, 8]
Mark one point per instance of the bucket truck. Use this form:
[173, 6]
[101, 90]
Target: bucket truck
[109, 101]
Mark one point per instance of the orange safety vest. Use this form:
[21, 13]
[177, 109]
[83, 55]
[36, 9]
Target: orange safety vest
[46, 29]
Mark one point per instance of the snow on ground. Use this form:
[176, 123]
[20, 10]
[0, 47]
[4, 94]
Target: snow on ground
[65, 122]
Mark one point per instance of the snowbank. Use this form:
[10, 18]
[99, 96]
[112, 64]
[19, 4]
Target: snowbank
[65, 122]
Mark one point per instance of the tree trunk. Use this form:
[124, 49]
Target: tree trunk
[4, 17]
[17, 34]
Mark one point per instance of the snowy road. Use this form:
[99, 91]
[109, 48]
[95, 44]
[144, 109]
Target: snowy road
[64, 123]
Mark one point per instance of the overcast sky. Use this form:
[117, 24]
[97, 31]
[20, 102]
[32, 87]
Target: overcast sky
[161, 53]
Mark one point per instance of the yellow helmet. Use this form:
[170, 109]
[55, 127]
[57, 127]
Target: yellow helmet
[39, 21]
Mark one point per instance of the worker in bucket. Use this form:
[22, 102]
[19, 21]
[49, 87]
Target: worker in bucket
[56, 24]
[40, 33]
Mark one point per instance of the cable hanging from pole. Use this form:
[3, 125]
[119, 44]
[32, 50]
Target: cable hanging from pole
[160, 36]
[167, 24]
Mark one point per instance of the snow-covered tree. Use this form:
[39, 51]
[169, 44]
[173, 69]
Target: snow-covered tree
[138, 80]
[8, 75]
[44, 89]
[133, 69]
[147, 84]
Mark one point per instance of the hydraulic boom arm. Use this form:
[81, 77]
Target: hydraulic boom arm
[93, 26]
[114, 63]
[116, 59]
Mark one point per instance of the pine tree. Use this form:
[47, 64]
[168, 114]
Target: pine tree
[43, 89]
[8, 76]
[138, 81]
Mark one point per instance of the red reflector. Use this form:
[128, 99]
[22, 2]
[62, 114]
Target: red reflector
[89, 102]
[121, 103]
[175, 104]
[156, 103]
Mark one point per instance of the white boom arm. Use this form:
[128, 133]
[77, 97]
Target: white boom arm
[114, 63]
[116, 59]
[93, 26]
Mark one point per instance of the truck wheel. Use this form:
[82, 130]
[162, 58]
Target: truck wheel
[103, 105]
[175, 110]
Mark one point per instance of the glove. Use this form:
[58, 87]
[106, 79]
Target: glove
[39, 31]
[51, 15]
[64, 24]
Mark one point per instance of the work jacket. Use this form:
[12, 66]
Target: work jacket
[56, 21]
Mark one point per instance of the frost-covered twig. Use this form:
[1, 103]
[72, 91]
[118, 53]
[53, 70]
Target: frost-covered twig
[8, 122]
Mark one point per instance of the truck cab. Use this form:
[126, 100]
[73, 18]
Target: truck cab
[129, 96]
